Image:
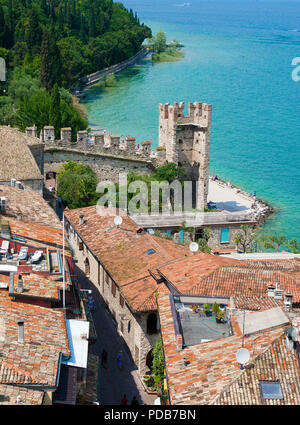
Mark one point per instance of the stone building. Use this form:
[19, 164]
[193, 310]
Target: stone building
[21, 159]
[120, 263]
[186, 140]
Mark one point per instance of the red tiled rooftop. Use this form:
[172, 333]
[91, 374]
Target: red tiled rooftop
[212, 365]
[35, 360]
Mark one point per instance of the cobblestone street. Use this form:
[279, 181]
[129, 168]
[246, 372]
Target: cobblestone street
[113, 383]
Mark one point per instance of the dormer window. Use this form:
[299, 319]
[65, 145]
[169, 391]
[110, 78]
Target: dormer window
[271, 290]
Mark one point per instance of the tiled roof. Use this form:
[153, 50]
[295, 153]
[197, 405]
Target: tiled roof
[36, 360]
[32, 207]
[10, 393]
[124, 254]
[245, 281]
[16, 159]
[212, 365]
[131, 261]
[37, 286]
[277, 363]
[254, 303]
[35, 233]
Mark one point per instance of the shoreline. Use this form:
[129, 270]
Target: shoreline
[262, 211]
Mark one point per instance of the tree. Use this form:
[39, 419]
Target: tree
[168, 172]
[160, 41]
[55, 111]
[77, 185]
[46, 71]
[244, 239]
[158, 364]
[273, 241]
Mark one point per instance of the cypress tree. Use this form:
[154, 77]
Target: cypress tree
[55, 110]
[46, 70]
[34, 33]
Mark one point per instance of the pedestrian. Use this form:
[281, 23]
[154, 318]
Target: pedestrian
[135, 401]
[104, 357]
[120, 359]
[124, 400]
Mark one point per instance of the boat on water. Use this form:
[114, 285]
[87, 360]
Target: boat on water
[183, 4]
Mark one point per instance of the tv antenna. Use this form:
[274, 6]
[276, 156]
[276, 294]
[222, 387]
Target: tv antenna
[118, 221]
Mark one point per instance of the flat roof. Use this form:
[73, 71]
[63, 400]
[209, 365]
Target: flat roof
[77, 343]
[255, 322]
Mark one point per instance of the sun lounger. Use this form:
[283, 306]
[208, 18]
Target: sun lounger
[36, 256]
[4, 247]
[23, 253]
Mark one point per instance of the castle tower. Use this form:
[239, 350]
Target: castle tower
[187, 141]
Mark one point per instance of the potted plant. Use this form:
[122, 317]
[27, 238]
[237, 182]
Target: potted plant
[207, 309]
[194, 308]
[215, 308]
[220, 316]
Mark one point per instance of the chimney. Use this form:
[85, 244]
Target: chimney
[288, 299]
[81, 220]
[3, 204]
[20, 324]
[13, 182]
[271, 290]
[20, 288]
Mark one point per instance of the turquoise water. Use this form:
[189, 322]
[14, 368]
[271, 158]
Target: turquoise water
[238, 57]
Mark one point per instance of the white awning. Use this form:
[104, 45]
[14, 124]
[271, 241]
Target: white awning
[78, 333]
[8, 268]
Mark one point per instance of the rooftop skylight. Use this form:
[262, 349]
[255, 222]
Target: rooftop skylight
[271, 390]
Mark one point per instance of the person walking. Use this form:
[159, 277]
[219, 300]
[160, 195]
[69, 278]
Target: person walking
[120, 359]
[124, 400]
[104, 357]
[135, 401]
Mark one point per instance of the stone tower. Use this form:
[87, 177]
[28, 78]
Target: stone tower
[187, 140]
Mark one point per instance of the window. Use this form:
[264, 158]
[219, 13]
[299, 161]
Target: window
[80, 246]
[224, 235]
[106, 278]
[152, 324]
[271, 390]
[122, 327]
[113, 288]
[87, 267]
[129, 327]
[121, 301]
[150, 251]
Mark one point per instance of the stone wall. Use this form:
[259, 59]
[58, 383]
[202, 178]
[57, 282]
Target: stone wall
[215, 238]
[106, 167]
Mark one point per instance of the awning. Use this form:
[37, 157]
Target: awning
[78, 333]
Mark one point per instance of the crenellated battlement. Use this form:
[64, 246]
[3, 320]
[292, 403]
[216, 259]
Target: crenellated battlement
[198, 113]
[99, 142]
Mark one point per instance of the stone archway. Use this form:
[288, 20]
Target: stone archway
[149, 359]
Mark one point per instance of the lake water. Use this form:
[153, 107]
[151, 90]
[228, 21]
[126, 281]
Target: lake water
[238, 56]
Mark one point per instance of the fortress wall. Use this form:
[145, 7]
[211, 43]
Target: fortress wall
[106, 168]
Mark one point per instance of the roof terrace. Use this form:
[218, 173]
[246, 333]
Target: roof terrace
[195, 320]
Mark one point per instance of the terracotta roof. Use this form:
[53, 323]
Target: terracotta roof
[37, 286]
[245, 281]
[32, 207]
[36, 360]
[10, 393]
[16, 160]
[277, 364]
[212, 365]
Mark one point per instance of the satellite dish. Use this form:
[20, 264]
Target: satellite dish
[242, 356]
[194, 247]
[118, 220]
[150, 231]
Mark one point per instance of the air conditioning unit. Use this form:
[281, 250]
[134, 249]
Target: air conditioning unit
[3, 204]
[13, 182]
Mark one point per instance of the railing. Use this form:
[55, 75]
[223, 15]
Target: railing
[190, 219]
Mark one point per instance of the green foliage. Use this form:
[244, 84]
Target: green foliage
[158, 364]
[206, 307]
[77, 185]
[55, 110]
[87, 34]
[215, 307]
[110, 80]
[168, 172]
[160, 41]
[203, 246]
[245, 238]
